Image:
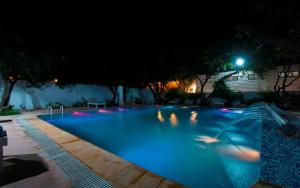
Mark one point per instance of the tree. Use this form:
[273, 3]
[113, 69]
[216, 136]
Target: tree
[273, 22]
[268, 57]
[211, 63]
[114, 92]
[283, 80]
[16, 64]
[157, 89]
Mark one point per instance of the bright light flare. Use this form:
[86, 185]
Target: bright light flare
[239, 61]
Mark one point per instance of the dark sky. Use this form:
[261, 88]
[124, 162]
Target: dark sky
[111, 37]
[96, 26]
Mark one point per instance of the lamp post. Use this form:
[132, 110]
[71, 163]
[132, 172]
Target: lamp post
[240, 62]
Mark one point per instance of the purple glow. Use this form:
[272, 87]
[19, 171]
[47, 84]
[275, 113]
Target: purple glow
[105, 111]
[224, 109]
[80, 114]
[121, 109]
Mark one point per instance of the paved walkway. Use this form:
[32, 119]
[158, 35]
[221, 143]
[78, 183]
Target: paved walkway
[21, 153]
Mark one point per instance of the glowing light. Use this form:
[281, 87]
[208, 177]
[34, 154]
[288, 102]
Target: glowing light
[241, 152]
[11, 78]
[55, 80]
[192, 88]
[193, 118]
[173, 119]
[80, 114]
[239, 61]
[121, 109]
[224, 109]
[207, 139]
[172, 85]
[160, 117]
[105, 111]
[238, 111]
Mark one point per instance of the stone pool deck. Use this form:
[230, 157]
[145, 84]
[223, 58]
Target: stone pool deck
[110, 167]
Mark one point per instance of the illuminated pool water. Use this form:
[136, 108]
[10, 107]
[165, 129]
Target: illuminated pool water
[192, 146]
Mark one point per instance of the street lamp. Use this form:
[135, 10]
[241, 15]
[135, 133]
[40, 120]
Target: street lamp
[239, 62]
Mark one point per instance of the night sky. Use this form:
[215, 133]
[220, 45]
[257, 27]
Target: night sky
[118, 40]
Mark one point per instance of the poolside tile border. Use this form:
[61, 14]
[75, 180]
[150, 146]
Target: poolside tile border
[110, 167]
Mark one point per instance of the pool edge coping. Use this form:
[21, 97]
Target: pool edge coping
[121, 173]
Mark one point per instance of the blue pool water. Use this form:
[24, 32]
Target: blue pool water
[196, 147]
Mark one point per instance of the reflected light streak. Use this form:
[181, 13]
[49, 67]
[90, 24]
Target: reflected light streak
[241, 152]
[173, 119]
[105, 111]
[207, 139]
[80, 114]
[224, 109]
[193, 118]
[160, 117]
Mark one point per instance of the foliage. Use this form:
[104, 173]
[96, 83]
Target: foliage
[9, 111]
[173, 94]
[264, 96]
[35, 67]
[221, 90]
[55, 104]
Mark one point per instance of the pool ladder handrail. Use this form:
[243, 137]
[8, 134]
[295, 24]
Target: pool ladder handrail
[50, 110]
[61, 110]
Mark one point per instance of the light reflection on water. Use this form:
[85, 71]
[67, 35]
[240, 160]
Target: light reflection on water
[193, 118]
[173, 119]
[160, 117]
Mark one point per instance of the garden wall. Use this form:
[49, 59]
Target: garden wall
[30, 98]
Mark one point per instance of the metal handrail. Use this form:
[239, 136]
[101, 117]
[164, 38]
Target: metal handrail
[49, 110]
[61, 109]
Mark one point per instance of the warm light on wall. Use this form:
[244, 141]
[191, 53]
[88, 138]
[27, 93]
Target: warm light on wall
[192, 88]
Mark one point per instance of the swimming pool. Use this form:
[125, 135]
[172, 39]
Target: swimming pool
[192, 146]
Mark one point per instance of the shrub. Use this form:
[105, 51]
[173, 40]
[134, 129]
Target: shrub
[221, 90]
[9, 111]
[173, 94]
[268, 96]
[55, 104]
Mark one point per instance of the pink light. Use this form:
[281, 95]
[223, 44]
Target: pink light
[105, 111]
[224, 109]
[80, 114]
